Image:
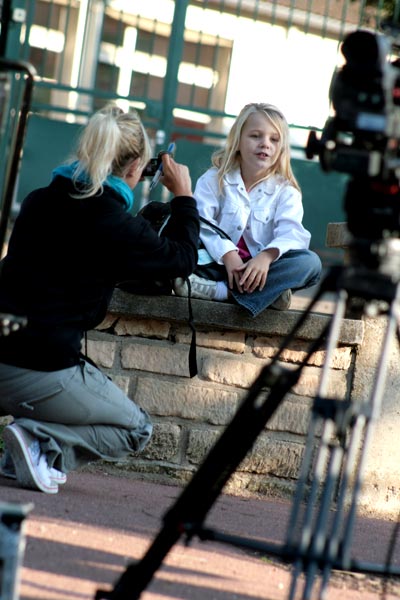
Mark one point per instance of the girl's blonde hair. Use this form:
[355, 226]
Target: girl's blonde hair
[228, 158]
[107, 146]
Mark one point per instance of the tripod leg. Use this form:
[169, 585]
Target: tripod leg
[375, 405]
[322, 391]
[362, 429]
[349, 460]
[308, 458]
[343, 450]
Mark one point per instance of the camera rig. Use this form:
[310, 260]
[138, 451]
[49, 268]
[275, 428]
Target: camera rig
[362, 138]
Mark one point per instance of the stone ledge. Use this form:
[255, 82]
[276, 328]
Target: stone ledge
[337, 235]
[225, 316]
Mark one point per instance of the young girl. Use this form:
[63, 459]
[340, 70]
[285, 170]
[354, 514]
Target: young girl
[72, 242]
[252, 194]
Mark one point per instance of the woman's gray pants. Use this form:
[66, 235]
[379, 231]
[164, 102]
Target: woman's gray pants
[77, 414]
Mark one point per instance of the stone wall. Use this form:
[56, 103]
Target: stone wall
[144, 346]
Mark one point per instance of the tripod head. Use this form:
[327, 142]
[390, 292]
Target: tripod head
[362, 138]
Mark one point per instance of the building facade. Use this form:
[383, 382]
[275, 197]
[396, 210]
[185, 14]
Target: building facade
[187, 66]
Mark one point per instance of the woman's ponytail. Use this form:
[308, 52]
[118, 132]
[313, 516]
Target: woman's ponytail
[109, 143]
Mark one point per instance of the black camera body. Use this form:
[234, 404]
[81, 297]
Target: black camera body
[154, 163]
[362, 138]
[152, 166]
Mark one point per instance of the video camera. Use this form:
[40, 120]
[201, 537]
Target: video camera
[362, 138]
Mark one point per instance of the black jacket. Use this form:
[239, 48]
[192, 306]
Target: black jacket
[64, 259]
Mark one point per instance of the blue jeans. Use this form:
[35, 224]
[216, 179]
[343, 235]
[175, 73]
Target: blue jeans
[294, 270]
[77, 414]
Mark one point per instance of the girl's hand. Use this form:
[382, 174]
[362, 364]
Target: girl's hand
[253, 274]
[233, 262]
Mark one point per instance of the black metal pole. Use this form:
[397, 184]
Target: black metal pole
[5, 18]
[29, 72]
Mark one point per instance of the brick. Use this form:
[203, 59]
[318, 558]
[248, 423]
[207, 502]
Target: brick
[122, 382]
[143, 327]
[309, 382]
[102, 352]
[275, 457]
[337, 235]
[107, 323]
[186, 401]
[200, 443]
[156, 357]
[292, 415]
[296, 351]
[164, 444]
[231, 341]
[229, 371]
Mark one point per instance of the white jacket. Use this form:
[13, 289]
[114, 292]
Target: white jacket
[269, 216]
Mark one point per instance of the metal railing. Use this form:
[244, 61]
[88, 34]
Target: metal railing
[16, 102]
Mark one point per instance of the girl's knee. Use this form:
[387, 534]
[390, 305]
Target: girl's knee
[314, 263]
[314, 267]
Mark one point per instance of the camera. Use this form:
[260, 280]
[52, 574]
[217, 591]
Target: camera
[152, 166]
[154, 163]
[362, 137]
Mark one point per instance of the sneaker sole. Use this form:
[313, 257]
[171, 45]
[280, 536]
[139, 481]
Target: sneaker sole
[58, 479]
[24, 468]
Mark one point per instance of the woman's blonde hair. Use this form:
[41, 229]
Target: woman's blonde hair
[111, 140]
[228, 158]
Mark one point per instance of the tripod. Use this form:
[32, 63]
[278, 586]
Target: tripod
[335, 453]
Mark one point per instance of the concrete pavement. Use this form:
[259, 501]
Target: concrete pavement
[81, 540]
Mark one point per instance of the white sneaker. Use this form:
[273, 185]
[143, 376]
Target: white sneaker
[203, 289]
[7, 469]
[283, 301]
[57, 476]
[31, 468]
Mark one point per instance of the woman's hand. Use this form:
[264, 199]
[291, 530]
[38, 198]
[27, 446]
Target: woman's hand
[253, 274]
[176, 177]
